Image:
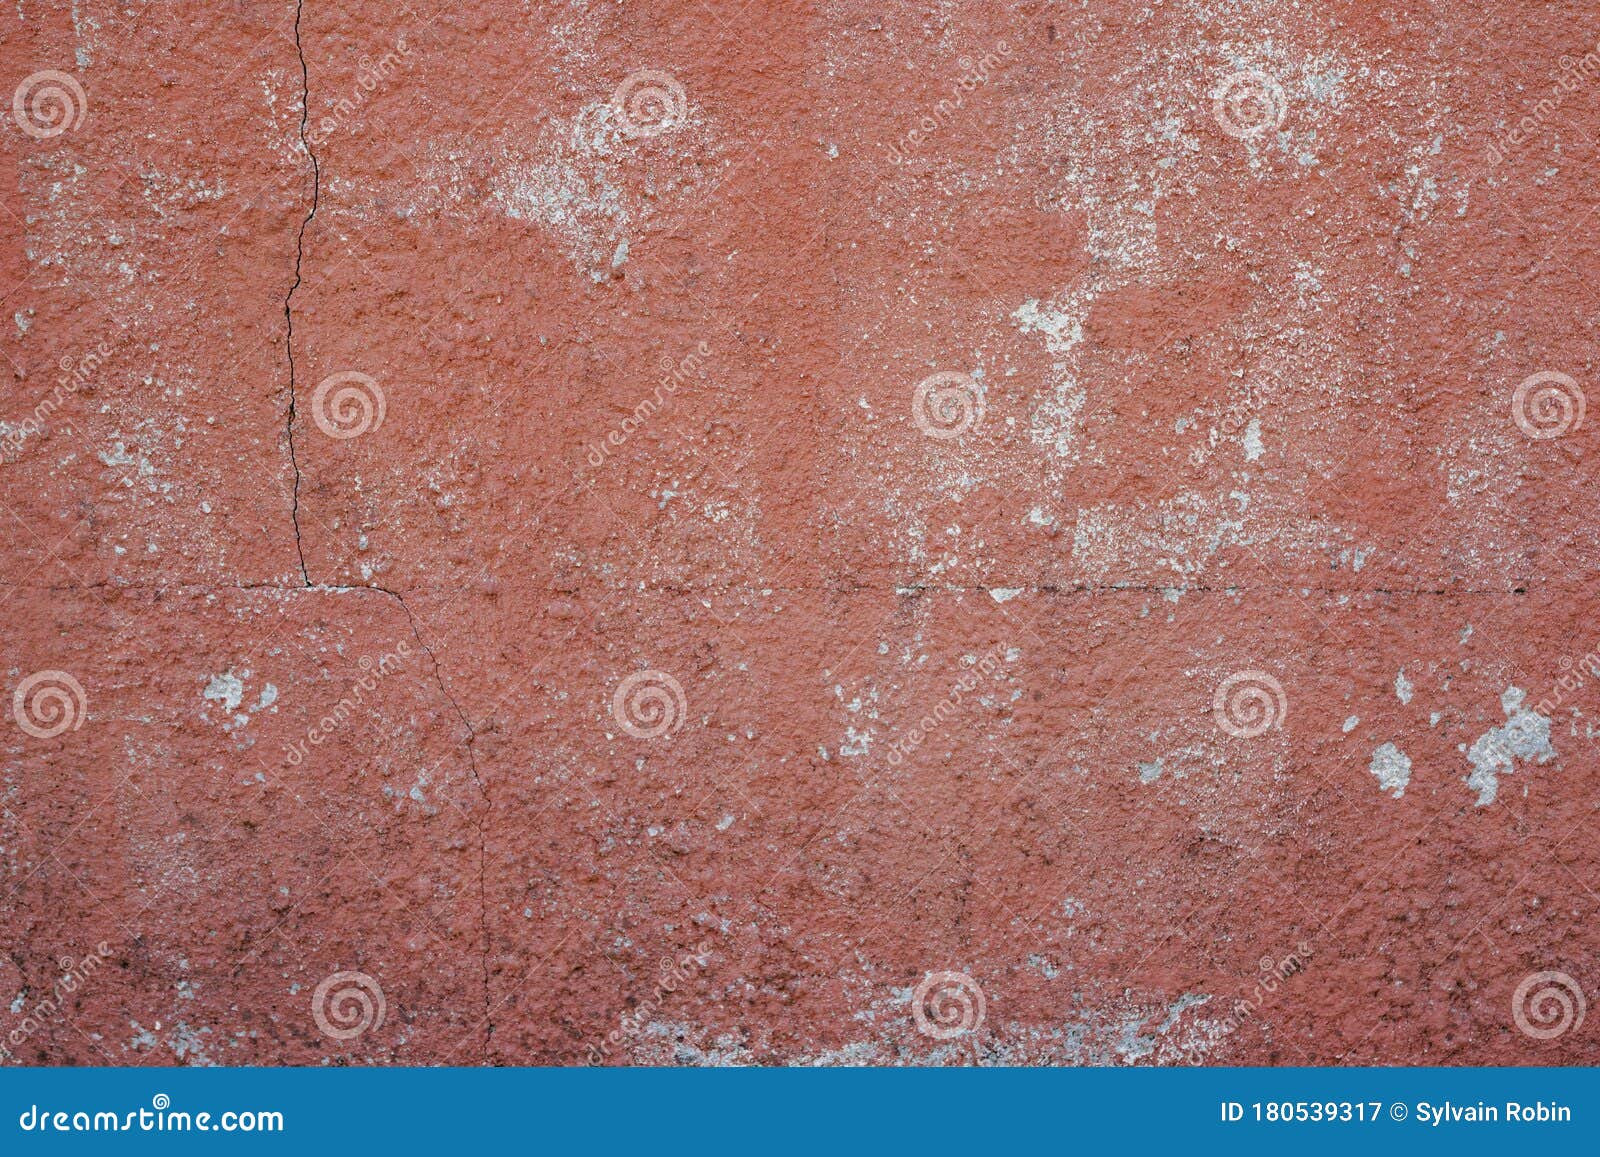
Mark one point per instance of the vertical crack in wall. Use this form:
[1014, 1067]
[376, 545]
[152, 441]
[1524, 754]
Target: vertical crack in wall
[480, 825]
[288, 301]
[299, 546]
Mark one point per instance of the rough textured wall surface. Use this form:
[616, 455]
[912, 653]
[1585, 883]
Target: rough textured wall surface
[707, 532]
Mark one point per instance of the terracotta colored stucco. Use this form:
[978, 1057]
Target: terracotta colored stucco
[693, 532]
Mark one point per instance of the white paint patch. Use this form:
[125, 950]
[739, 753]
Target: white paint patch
[1526, 735]
[1061, 330]
[581, 181]
[1150, 772]
[1351, 724]
[575, 196]
[1054, 423]
[855, 742]
[1184, 532]
[1252, 440]
[225, 689]
[1004, 594]
[1393, 769]
[1402, 687]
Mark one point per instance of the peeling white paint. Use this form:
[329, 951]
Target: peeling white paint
[1252, 440]
[1393, 769]
[1526, 735]
[1402, 687]
[226, 689]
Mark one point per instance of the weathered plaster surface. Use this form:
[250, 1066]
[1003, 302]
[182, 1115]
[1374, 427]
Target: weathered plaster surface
[826, 533]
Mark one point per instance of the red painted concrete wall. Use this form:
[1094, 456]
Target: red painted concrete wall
[708, 532]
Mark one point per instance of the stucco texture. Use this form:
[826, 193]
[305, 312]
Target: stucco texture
[799, 533]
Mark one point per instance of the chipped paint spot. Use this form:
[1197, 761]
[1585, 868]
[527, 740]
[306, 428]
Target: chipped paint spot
[1402, 687]
[226, 689]
[1252, 440]
[1393, 769]
[1526, 735]
[1061, 330]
